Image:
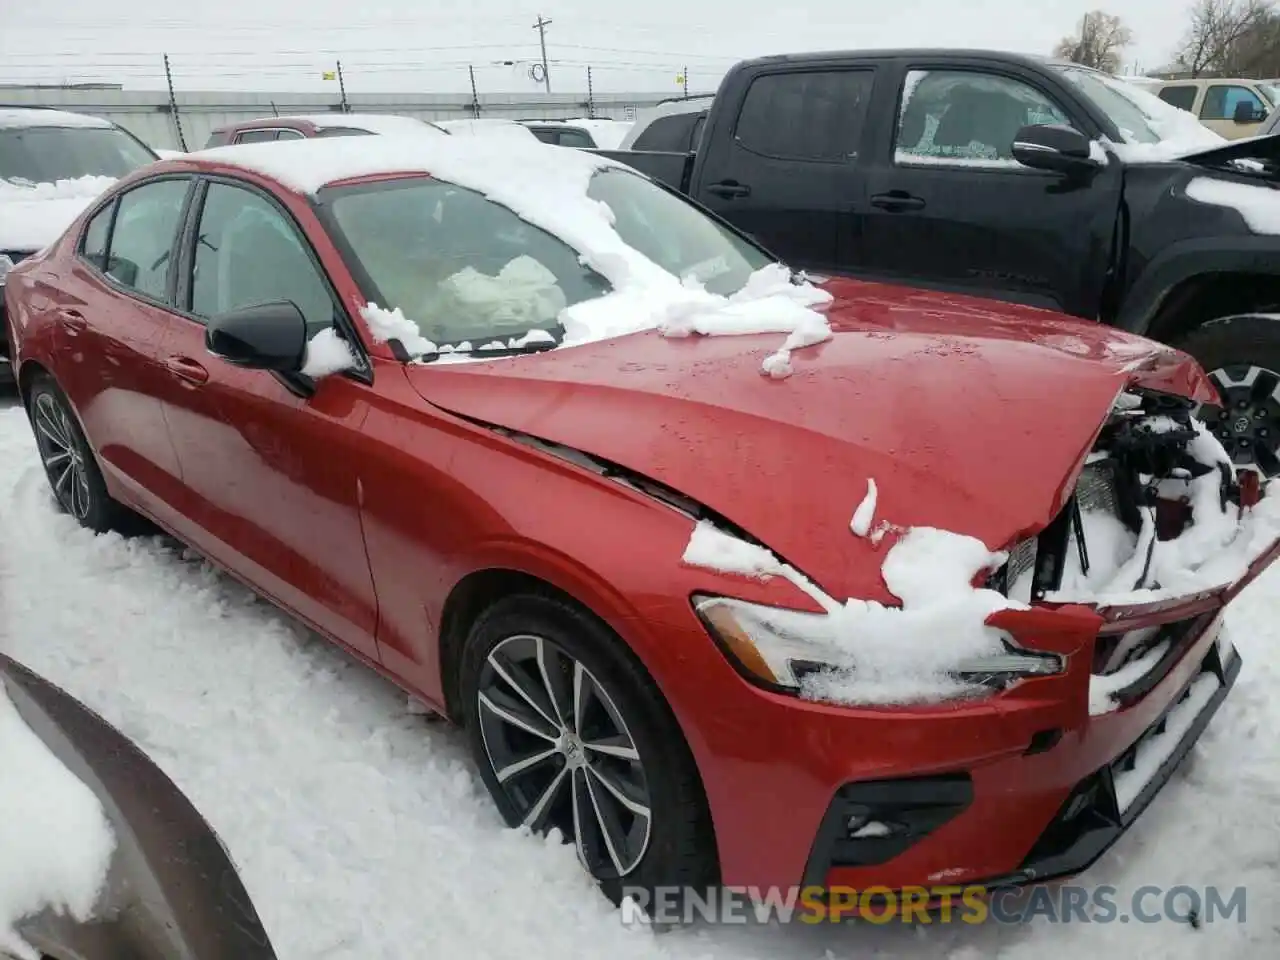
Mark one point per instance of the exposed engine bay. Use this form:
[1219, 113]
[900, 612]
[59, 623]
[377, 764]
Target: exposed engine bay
[1156, 501]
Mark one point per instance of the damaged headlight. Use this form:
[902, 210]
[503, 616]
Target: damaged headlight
[781, 647]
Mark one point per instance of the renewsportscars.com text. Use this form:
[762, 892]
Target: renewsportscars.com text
[1063, 903]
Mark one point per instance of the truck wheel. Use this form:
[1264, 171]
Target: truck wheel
[1241, 354]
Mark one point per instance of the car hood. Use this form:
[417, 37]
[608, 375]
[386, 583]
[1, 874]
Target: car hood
[969, 416]
[32, 217]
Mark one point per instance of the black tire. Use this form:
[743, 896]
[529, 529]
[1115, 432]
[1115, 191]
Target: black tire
[1241, 354]
[680, 849]
[70, 465]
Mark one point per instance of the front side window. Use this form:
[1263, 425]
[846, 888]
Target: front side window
[967, 118]
[1222, 100]
[256, 136]
[247, 253]
[572, 137]
[48, 154]
[809, 115]
[466, 269]
[140, 250]
[289, 135]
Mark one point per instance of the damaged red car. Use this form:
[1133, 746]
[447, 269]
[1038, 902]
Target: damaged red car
[732, 576]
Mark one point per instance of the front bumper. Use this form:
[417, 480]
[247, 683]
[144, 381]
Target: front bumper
[1023, 786]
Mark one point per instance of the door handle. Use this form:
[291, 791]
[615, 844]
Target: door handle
[729, 188]
[896, 200]
[73, 320]
[184, 368]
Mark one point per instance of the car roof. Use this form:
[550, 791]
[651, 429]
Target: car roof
[36, 116]
[326, 121]
[306, 166]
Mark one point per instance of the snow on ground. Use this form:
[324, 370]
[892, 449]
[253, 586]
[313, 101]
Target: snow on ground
[362, 832]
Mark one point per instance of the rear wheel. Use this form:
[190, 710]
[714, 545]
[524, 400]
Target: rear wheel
[69, 463]
[1242, 357]
[570, 734]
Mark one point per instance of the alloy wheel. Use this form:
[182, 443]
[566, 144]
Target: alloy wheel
[63, 459]
[1248, 422]
[562, 753]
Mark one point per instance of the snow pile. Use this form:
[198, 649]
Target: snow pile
[1215, 550]
[872, 653]
[327, 353]
[546, 186]
[34, 215]
[1258, 204]
[56, 843]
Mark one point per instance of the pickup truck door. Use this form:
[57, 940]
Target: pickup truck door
[779, 159]
[949, 207]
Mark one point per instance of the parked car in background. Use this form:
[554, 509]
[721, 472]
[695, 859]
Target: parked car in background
[318, 125]
[1232, 107]
[584, 133]
[337, 368]
[487, 127]
[52, 164]
[105, 815]
[672, 125]
[1012, 177]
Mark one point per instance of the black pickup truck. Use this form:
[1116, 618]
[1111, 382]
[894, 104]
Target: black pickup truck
[1012, 178]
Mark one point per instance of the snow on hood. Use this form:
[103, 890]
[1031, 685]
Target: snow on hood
[971, 417]
[32, 216]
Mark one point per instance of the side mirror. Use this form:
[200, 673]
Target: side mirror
[1054, 147]
[1246, 112]
[264, 336]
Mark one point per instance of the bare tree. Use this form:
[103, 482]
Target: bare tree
[1098, 41]
[1224, 32]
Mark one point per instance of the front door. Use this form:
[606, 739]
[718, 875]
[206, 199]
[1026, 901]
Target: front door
[1232, 111]
[950, 207]
[272, 479]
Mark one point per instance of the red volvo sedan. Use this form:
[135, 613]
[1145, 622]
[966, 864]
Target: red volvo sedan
[731, 576]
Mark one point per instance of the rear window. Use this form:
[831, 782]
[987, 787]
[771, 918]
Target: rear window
[49, 154]
[672, 134]
[1184, 98]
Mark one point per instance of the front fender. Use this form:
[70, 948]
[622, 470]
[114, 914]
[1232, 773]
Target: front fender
[1188, 260]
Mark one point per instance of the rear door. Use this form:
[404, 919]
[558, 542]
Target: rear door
[115, 311]
[951, 209]
[781, 160]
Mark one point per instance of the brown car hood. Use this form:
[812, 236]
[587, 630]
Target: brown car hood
[970, 416]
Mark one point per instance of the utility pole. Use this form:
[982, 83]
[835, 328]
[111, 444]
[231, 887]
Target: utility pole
[173, 104]
[342, 88]
[475, 97]
[541, 27]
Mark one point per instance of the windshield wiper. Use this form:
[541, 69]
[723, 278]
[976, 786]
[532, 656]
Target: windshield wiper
[541, 346]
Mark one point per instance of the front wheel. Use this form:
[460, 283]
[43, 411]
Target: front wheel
[1242, 357]
[569, 733]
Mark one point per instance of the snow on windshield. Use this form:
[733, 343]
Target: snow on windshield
[549, 187]
[56, 843]
[1152, 128]
[33, 215]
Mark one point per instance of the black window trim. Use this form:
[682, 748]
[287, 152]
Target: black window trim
[993, 68]
[873, 69]
[114, 199]
[185, 260]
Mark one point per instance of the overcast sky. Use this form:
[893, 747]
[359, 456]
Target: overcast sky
[411, 45]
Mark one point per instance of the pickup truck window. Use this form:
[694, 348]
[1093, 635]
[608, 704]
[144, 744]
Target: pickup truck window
[966, 117]
[675, 133]
[1221, 99]
[1183, 97]
[810, 115]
